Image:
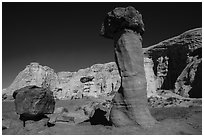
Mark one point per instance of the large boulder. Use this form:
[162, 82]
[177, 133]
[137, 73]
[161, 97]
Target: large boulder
[32, 101]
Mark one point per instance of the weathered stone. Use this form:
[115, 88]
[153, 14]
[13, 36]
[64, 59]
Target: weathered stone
[184, 82]
[86, 79]
[125, 26]
[36, 125]
[4, 96]
[122, 18]
[167, 98]
[32, 101]
[34, 74]
[58, 116]
[152, 84]
[106, 80]
[176, 61]
[5, 123]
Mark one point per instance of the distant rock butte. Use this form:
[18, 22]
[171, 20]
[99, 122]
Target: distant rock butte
[173, 64]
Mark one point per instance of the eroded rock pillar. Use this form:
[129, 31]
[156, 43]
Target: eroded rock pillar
[125, 27]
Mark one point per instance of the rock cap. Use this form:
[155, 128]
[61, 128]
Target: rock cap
[120, 19]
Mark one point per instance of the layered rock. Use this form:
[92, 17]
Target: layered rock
[104, 80]
[125, 26]
[177, 63]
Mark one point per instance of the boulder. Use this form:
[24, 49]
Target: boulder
[129, 18]
[32, 101]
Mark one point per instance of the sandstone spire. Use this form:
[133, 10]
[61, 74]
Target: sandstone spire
[125, 27]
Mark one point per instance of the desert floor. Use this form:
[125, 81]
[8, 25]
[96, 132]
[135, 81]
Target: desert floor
[174, 120]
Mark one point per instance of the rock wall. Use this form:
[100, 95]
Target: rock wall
[176, 62]
[68, 85]
[106, 80]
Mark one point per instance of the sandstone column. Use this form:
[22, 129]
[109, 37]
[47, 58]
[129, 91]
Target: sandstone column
[125, 27]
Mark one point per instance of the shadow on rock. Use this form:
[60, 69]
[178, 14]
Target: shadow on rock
[99, 118]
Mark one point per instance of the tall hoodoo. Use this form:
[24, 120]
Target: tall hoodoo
[125, 27]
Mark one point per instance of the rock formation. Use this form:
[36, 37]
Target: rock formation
[177, 63]
[98, 80]
[125, 27]
[102, 81]
[60, 115]
[34, 74]
[150, 77]
[32, 102]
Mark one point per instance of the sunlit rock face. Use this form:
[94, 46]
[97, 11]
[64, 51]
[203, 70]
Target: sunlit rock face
[150, 77]
[177, 63]
[105, 80]
[68, 85]
[34, 74]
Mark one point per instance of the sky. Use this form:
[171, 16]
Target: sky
[65, 35]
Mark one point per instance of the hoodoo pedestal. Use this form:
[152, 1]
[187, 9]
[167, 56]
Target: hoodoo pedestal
[125, 27]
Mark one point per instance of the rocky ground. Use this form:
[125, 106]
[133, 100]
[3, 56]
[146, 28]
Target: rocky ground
[171, 121]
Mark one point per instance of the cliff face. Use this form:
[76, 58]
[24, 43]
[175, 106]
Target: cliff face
[103, 79]
[174, 64]
[177, 63]
[33, 74]
[69, 85]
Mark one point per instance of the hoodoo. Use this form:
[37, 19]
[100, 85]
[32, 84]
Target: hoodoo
[125, 27]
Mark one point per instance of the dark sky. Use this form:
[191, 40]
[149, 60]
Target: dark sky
[65, 36]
